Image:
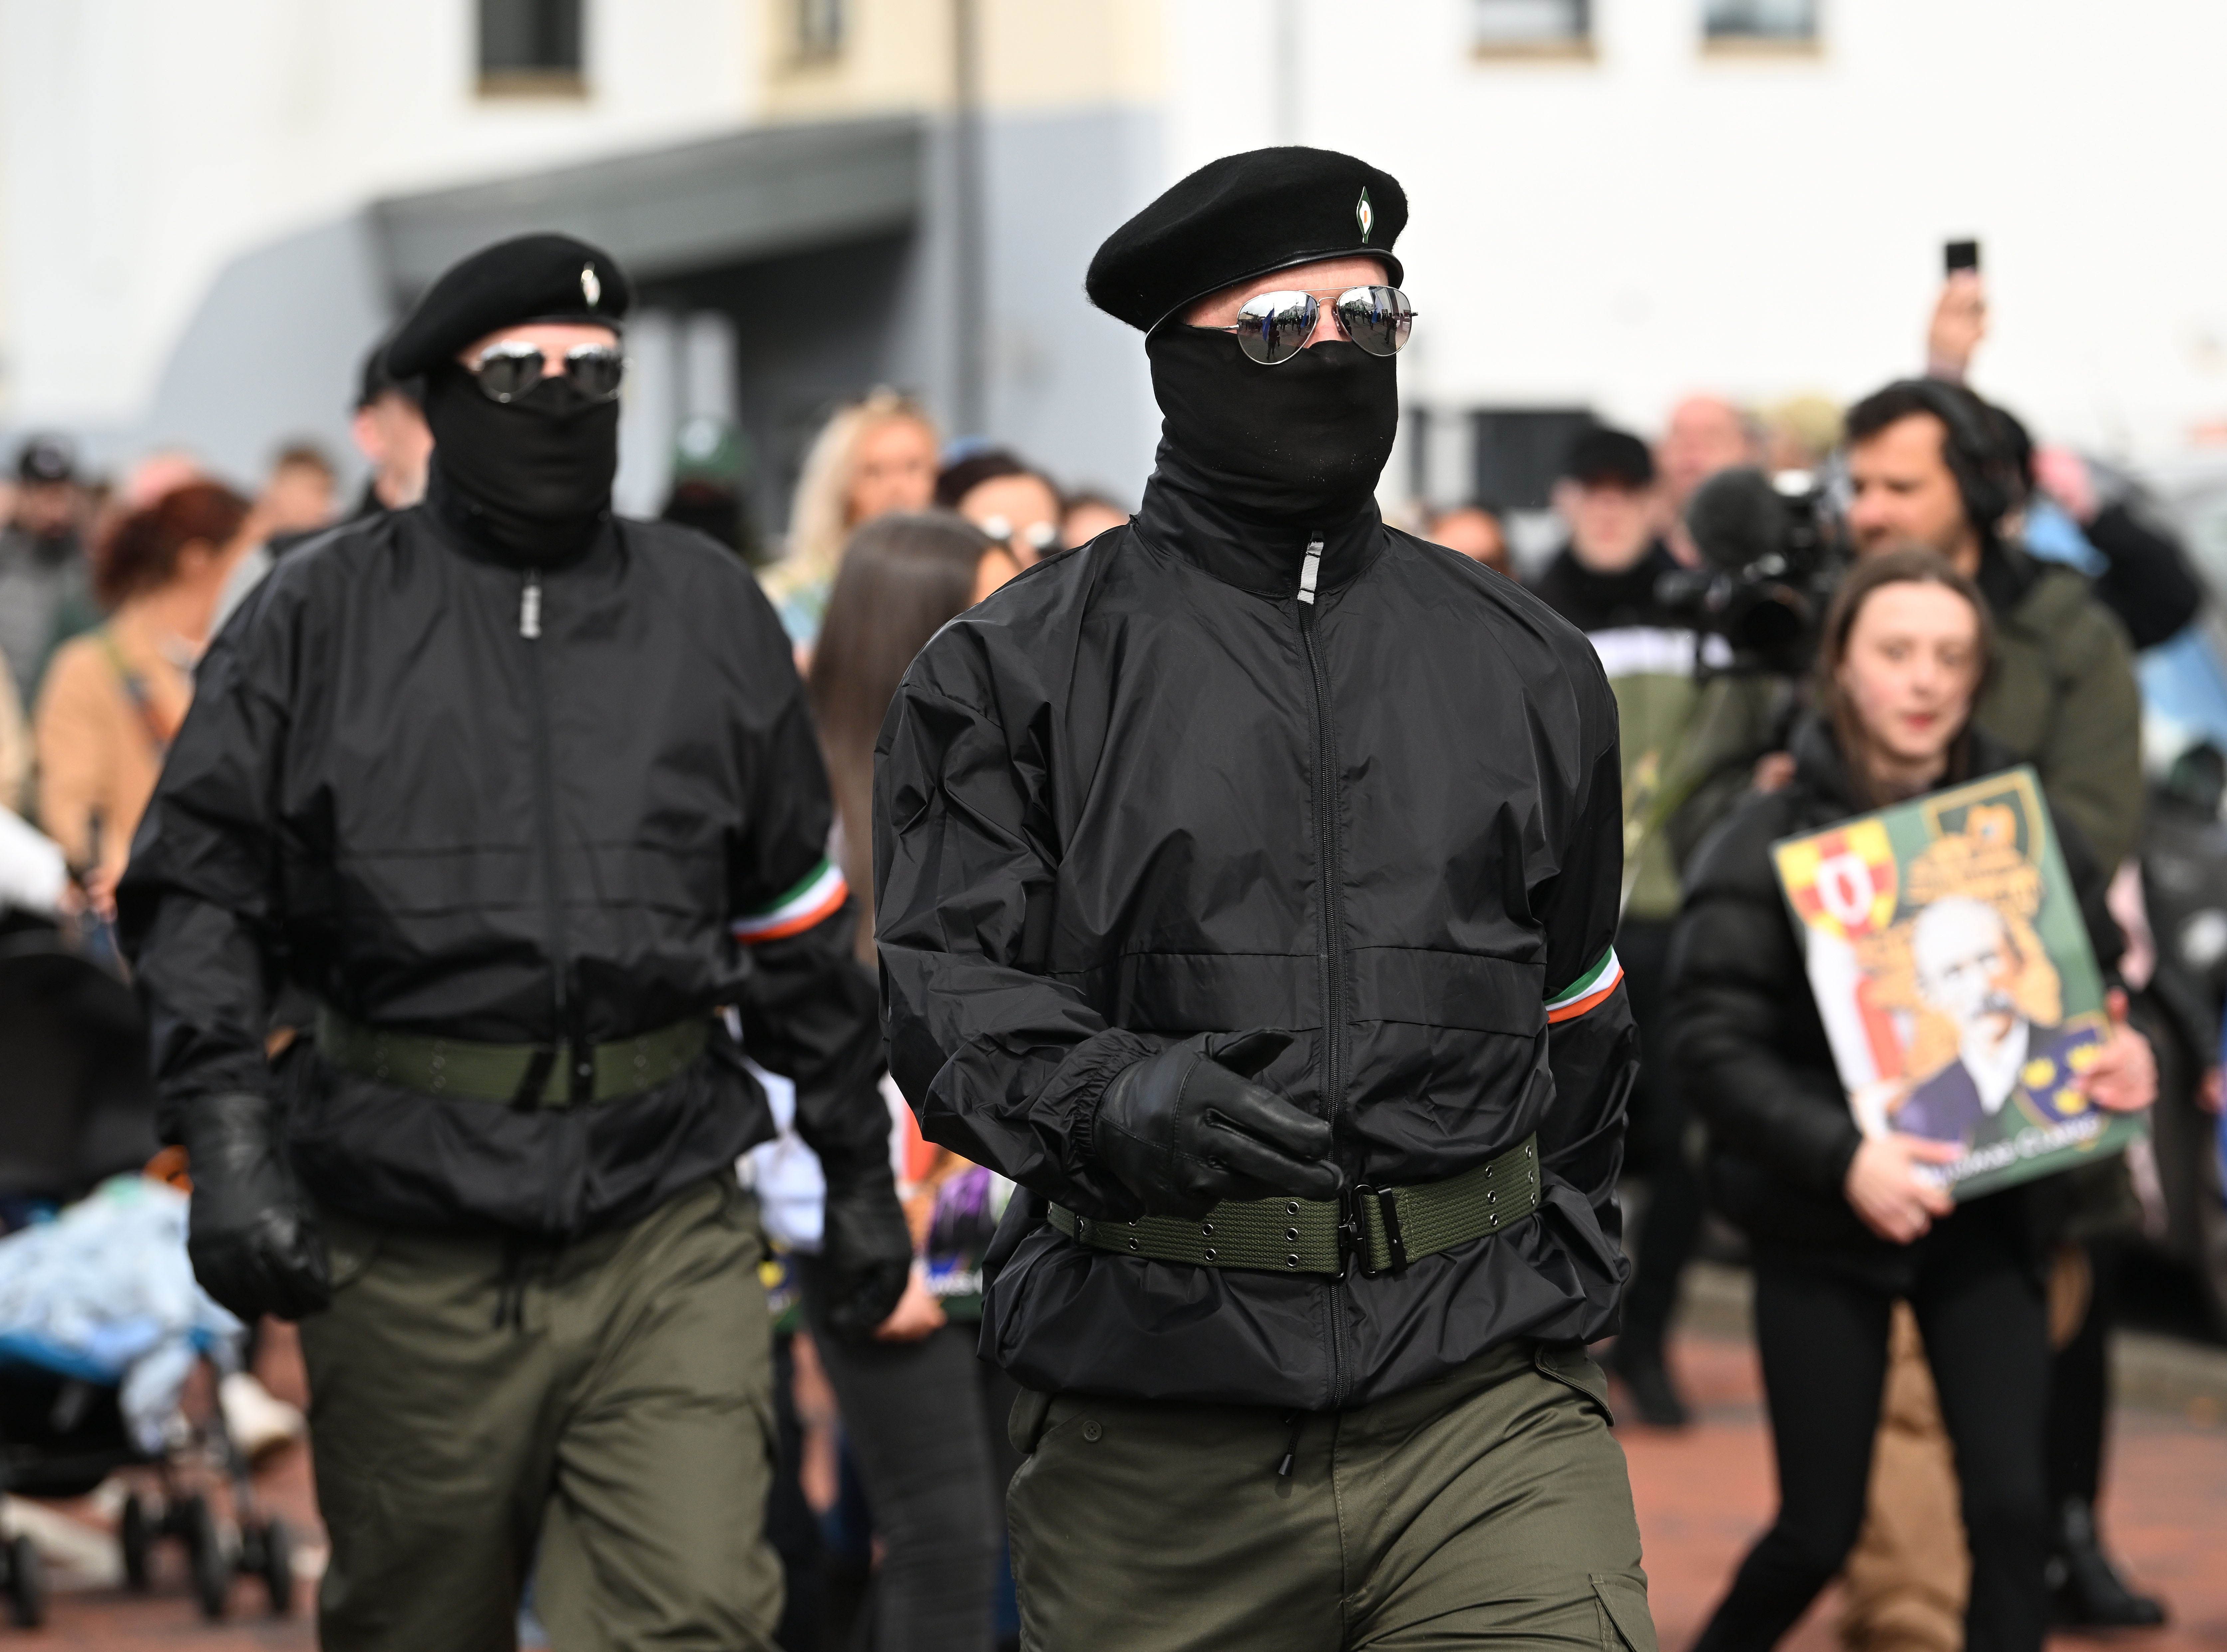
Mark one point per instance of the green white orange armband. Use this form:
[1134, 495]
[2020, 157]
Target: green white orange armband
[1589, 989]
[816, 897]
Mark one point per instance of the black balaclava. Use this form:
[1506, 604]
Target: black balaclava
[533, 475]
[1300, 444]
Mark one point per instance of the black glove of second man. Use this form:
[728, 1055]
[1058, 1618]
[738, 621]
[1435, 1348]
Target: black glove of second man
[1183, 1130]
[253, 1244]
[865, 1249]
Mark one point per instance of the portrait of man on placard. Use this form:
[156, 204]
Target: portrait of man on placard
[2009, 1070]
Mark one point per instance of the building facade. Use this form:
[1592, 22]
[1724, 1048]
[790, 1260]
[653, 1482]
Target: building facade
[208, 213]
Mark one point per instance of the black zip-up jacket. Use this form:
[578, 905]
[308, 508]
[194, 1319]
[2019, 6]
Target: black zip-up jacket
[458, 796]
[1143, 791]
[1749, 1046]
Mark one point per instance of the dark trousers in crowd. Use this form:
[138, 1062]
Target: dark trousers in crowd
[791, 1527]
[2080, 1389]
[1654, 1146]
[917, 1419]
[1822, 1335]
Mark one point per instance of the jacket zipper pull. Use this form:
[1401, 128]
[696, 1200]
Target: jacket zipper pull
[529, 607]
[1298, 1419]
[1308, 568]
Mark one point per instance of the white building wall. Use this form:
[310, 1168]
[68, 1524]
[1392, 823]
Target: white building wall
[145, 143]
[1609, 233]
[1615, 233]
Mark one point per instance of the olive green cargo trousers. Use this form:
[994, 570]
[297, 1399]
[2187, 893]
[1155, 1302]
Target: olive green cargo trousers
[1489, 1508]
[608, 1400]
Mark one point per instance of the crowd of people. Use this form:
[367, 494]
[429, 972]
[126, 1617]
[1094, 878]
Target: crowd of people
[1934, 1371]
[1954, 647]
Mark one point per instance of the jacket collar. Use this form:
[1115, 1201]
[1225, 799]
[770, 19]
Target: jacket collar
[1181, 517]
[1821, 770]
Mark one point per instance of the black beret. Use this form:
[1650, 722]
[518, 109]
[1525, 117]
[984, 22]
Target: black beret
[1241, 216]
[531, 278]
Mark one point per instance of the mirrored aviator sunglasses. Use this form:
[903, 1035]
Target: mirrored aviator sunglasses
[1273, 327]
[505, 371]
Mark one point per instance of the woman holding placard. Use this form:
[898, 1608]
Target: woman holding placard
[1846, 1219]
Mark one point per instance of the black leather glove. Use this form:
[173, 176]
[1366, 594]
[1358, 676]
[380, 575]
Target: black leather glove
[1183, 1130]
[254, 1245]
[865, 1249]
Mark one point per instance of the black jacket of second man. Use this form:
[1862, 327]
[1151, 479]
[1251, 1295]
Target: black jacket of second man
[1144, 792]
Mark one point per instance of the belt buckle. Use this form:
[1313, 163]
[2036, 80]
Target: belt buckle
[1353, 1237]
[1352, 1243]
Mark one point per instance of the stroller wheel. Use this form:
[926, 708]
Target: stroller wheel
[132, 1537]
[27, 1583]
[212, 1567]
[277, 1569]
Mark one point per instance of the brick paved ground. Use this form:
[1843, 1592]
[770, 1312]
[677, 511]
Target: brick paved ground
[1703, 1495]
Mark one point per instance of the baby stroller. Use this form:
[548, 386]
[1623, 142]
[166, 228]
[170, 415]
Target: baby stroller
[77, 1109]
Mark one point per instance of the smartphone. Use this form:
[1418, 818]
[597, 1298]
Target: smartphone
[1960, 255]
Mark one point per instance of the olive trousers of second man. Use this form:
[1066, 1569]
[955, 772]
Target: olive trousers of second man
[605, 1403]
[1490, 1507]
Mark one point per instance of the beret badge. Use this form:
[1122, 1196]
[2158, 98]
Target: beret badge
[1364, 215]
[591, 286]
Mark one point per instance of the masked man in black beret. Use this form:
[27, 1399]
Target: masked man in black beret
[1247, 882]
[527, 797]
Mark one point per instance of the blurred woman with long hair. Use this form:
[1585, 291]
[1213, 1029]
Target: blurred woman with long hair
[874, 456]
[923, 1416]
[114, 698]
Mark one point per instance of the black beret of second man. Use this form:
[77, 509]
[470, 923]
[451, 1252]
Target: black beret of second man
[530, 278]
[1242, 216]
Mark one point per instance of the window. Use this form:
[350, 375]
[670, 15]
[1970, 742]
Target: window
[819, 27]
[1516, 452]
[1780, 23]
[530, 46]
[1532, 28]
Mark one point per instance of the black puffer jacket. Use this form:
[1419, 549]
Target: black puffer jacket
[1144, 792]
[1746, 1039]
[455, 795]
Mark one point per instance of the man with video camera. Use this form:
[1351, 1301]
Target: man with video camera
[1927, 465]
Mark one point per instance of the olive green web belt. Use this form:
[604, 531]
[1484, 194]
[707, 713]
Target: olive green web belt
[1375, 1230]
[526, 1075]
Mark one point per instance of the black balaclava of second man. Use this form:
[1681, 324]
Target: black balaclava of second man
[532, 476]
[1260, 460]
[1297, 447]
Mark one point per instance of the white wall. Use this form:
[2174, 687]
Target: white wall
[1617, 233]
[144, 143]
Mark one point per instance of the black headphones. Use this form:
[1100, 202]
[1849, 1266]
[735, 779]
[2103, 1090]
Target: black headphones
[1975, 456]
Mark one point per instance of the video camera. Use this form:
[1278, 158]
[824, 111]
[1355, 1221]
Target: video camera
[1771, 563]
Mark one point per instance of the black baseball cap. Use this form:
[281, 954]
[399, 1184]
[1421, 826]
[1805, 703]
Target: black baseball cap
[378, 381]
[1606, 458]
[46, 459]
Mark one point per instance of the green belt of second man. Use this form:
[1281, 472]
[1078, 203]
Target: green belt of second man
[1375, 1230]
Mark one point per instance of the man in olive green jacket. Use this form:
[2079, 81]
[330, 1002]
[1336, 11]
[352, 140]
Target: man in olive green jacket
[1925, 467]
